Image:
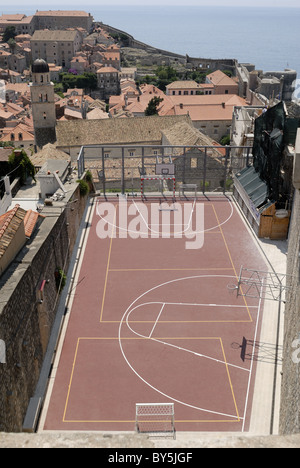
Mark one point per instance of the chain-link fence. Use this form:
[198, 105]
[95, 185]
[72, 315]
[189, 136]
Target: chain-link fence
[121, 168]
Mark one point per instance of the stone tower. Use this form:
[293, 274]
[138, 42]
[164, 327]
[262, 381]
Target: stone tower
[43, 104]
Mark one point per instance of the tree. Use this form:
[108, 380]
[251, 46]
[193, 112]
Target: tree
[85, 81]
[153, 105]
[165, 76]
[12, 45]
[20, 163]
[9, 33]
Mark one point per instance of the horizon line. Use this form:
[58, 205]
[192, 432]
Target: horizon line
[53, 4]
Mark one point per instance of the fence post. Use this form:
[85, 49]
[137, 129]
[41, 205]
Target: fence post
[204, 170]
[103, 172]
[227, 157]
[184, 164]
[123, 173]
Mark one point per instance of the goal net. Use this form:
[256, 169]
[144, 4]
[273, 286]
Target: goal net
[155, 419]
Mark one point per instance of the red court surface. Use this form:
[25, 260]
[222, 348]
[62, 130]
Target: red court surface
[153, 321]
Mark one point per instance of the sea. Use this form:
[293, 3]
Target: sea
[269, 38]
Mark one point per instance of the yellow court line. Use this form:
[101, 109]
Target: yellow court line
[107, 268]
[143, 338]
[229, 378]
[70, 382]
[169, 269]
[231, 261]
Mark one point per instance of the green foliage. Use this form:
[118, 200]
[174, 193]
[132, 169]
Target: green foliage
[197, 76]
[122, 38]
[60, 279]
[12, 44]
[59, 89]
[9, 33]
[88, 176]
[163, 77]
[153, 105]
[225, 140]
[83, 187]
[20, 163]
[85, 81]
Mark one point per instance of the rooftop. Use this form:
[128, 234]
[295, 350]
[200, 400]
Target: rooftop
[184, 84]
[220, 78]
[62, 13]
[114, 131]
[54, 35]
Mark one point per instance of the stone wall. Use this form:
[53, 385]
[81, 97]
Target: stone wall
[290, 393]
[25, 321]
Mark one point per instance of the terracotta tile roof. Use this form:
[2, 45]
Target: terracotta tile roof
[15, 17]
[107, 70]
[220, 78]
[183, 84]
[212, 107]
[30, 221]
[21, 130]
[9, 225]
[151, 89]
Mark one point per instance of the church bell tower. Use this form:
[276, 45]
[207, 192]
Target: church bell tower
[43, 104]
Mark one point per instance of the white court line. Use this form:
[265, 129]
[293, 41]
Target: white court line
[157, 319]
[251, 366]
[178, 232]
[158, 232]
[124, 320]
[172, 345]
[200, 355]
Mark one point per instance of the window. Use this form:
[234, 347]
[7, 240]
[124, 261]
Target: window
[20, 136]
[44, 115]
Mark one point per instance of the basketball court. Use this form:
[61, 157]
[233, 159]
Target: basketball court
[155, 319]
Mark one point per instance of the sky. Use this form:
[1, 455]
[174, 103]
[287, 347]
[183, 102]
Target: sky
[88, 5]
